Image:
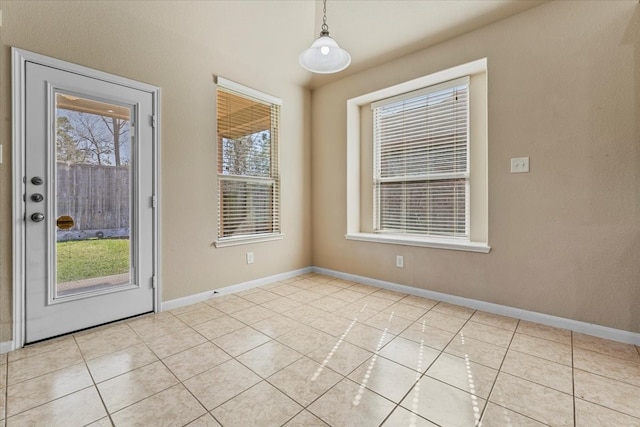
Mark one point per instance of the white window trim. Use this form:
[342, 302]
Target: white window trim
[269, 99]
[353, 161]
[425, 242]
[245, 90]
[245, 240]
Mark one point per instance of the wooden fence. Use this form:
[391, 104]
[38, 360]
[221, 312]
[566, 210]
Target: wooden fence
[96, 197]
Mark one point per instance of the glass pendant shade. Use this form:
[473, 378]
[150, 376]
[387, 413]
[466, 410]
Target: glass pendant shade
[325, 56]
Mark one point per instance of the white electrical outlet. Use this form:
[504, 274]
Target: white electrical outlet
[399, 261]
[520, 165]
[249, 257]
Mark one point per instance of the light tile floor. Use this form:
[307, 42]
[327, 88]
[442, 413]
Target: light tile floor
[317, 351]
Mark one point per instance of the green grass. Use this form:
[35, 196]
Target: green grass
[86, 259]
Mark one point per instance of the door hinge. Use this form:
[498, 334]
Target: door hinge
[153, 121]
[154, 282]
[153, 201]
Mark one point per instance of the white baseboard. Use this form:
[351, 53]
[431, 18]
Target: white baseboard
[193, 299]
[503, 310]
[532, 316]
[6, 347]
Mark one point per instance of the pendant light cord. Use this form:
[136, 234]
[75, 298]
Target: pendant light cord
[325, 27]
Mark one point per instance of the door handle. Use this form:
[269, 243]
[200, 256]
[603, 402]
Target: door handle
[37, 197]
[37, 217]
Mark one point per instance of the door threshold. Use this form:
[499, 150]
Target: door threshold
[102, 325]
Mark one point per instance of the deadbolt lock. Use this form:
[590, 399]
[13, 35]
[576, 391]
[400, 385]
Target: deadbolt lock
[37, 197]
[37, 217]
[36, 180]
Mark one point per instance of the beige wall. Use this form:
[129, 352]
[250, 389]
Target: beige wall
[564, 89]
[177, 46]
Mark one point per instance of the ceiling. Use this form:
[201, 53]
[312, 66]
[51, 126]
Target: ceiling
[270, 34]
[377, 31]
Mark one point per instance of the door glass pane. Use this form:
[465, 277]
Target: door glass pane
[93, 250]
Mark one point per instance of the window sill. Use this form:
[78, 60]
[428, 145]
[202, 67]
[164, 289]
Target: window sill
[246, 240]
[420, 241]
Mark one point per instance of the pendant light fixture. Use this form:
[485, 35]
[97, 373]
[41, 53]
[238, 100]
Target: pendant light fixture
[324, 56]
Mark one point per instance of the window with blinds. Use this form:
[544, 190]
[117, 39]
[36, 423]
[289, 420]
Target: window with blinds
[421, 162]
[248, 178]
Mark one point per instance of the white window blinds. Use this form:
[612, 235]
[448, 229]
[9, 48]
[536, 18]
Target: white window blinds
[421, 170]
[248, 177]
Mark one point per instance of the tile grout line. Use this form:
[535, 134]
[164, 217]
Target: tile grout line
[46, 403]
[537, 382]
[421, 374]
[304, 407]
[235, 358]
[206, 411]
[424, 374]
[344, 377]
[517, 376]
[612, 379]
[72, 336]
[35, 377]
[159, 359]
[374, 358]
[181, 382]
[499, 370]
[443, 352]
[95, 385]
[109, 414]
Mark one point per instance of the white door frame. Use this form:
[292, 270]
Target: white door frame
[19, 59]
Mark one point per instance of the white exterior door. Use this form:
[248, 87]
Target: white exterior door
[89, 223]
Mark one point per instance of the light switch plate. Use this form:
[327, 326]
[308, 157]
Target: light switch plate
[520, 165]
